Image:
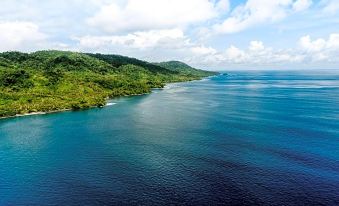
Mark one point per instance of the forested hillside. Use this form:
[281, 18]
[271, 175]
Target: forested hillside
[183, 68]
[57, 80]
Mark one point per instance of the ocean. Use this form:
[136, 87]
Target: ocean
[245, 138]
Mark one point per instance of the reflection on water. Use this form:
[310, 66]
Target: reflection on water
[248, 138]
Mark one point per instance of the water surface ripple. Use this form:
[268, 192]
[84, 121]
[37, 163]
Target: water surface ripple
[249, 138]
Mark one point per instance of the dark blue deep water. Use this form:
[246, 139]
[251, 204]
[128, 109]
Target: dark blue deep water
[249, 138]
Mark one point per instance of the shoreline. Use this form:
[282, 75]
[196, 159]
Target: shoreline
[64, 110]
[36, 113]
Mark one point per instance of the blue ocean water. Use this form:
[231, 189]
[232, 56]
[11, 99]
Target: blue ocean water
[246, 138]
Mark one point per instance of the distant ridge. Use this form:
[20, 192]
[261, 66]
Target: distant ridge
[118, 60]
[183, 68]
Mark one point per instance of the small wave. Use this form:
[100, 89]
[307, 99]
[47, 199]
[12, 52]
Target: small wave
[171, 86]
[110, 103]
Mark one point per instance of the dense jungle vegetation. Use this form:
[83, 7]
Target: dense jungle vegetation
[57, 80]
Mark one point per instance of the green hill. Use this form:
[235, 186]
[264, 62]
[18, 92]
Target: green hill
[118, 60]
[57, 80]
[184, 69]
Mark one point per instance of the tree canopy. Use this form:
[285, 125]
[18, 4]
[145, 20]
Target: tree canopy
[57, 80]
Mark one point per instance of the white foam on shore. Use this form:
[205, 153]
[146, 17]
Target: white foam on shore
[110, 103]
[30, 114]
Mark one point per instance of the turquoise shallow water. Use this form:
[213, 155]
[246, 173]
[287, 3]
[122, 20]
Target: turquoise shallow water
[249, 138]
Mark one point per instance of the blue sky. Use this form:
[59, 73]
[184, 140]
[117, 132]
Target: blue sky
[209, 34]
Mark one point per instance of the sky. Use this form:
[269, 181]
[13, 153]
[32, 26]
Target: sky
[208, 34]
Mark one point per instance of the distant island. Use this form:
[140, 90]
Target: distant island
[46, 81]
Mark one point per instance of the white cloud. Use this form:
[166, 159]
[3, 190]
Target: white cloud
[136, 15]
[223, 5]
[310, 52]
[301, 5]
[234, 54]
[256, 55]
[175, 44]
[321, 49]
[20, 35]
[169, 38]
[255, 12]
[312, 46]
[256, 46]
[333, 41]
[202, 50]
[330, 6]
